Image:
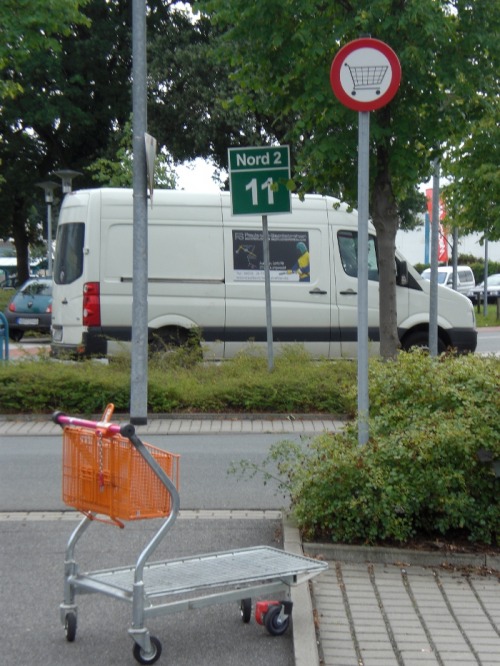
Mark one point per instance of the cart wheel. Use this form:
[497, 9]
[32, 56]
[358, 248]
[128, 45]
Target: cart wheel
[275, 624]
[246, 610]
[70, 627]
[141, 657]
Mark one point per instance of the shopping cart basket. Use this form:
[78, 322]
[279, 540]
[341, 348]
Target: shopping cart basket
[108, 470]
[103, 473]
[367, 77]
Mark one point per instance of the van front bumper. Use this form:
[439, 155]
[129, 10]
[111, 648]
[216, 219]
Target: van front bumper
[464, 340]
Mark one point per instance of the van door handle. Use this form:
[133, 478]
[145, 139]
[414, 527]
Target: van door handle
[349, 292]
[64, 301]
[317, 290]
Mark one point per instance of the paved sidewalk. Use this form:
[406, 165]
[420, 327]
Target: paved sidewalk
[185, 425]
[394, 615]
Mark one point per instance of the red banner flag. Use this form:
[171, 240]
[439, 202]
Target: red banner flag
[443, 244]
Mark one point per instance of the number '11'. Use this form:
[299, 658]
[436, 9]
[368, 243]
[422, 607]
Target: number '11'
[252, 185]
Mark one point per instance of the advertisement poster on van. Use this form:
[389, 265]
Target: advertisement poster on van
[288, 250]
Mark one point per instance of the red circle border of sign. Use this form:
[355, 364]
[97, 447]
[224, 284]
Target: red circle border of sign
[356, 104]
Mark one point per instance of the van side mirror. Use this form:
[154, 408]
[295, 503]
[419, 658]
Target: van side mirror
[401, 273]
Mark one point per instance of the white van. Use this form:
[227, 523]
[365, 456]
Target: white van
[205, 271]
[465, 277]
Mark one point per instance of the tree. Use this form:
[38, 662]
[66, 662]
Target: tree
[74, 100]
[30, 27]
[189, 89]
[473, 196]
[71, 98]
[280, 55]
[118, 172]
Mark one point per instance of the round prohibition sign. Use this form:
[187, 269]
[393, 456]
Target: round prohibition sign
[365, 74]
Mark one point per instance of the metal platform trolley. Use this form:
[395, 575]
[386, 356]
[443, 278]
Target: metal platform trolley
[109, 474]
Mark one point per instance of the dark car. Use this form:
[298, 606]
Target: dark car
[493, 287]
[30, 309]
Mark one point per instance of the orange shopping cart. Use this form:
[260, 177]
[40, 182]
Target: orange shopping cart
[109, 474]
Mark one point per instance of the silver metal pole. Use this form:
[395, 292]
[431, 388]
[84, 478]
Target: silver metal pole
[433, 294]
[267, 280]
[454, 258]
[363, 199]
[485, 292]
[139, 367]
[49, 239]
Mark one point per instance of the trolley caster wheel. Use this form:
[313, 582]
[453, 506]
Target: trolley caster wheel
[276, 623]
[246, 610]
[142, 658]
[70, 627]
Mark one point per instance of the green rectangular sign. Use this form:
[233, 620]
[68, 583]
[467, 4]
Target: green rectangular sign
[257, 178]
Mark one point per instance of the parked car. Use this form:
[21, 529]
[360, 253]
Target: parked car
[477, 294]
[30, 309]
[465, 277]
[10, 282]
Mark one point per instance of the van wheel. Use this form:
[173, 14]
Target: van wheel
[420, 340]
[166, 339]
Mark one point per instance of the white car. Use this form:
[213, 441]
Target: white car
[493, 286]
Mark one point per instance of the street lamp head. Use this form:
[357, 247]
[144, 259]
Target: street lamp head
[67, 175]
[48, 186]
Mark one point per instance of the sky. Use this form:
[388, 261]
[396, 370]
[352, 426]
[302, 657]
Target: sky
[196, 176]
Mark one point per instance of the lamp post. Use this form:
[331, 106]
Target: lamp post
[67, 175]
[48, 186]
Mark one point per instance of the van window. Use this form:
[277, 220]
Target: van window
[348, 248]
[68, 265]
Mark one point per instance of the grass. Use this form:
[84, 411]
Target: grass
[492, 317]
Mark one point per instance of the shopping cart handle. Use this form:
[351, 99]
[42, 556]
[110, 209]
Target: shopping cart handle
[56, 416]
[62, 419]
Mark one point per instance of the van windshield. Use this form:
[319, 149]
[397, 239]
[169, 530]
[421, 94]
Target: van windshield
[68, 264]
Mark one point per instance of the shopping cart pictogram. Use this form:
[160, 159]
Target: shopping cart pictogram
[367, 77]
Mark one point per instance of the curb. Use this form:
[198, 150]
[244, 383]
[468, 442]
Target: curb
[400, 556]
[305, 641]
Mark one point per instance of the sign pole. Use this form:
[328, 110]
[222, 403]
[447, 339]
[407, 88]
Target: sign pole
[363, 206]
[267, 279]
[257, 177]
[433, 304]
[139, 362]
[364, 76]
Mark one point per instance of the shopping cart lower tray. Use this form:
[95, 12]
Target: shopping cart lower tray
[98, 458]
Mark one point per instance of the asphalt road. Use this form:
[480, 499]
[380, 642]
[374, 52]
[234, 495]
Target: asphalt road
[30, 472]
[488, 340]
[32, 564]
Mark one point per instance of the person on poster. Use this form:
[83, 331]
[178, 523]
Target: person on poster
[302, 267]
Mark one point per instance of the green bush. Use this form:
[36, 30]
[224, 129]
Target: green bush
[419, 474]
[178, 382]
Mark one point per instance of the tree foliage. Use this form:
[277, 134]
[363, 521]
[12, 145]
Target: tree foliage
[71, 97]
[473, 196]
[74, 100]
[280, 56]
[29, 28]
[118, 171]
[189, 88]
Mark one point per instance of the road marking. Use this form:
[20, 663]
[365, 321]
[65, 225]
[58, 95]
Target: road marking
[200, 514]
